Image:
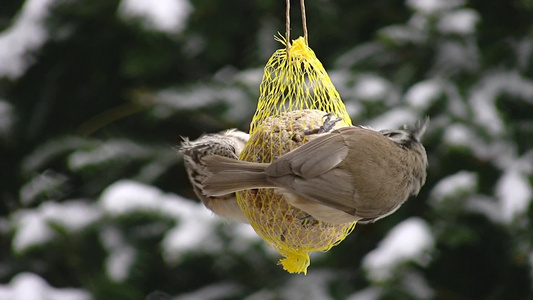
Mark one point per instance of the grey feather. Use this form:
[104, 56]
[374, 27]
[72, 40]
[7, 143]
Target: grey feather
[229, 175]
[312, 159]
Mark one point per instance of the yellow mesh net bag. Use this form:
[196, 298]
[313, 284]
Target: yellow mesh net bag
[295, 95]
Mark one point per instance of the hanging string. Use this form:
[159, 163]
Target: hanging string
[304, 21]
[288, 26]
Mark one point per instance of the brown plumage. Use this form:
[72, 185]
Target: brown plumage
[350, 174]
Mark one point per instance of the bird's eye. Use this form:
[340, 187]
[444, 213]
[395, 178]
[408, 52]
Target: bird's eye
[393, 134]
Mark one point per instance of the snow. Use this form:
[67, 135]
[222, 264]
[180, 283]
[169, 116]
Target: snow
[27, 34]
[195, 228]
[6, 115]
[371, 87]
[150, 172]
[73, 215]
[483, 97]
[240, 106]
[454, 100]
[251, 78]
[433, 6]
[126, 197]
[262, 295]
[524, 163]
[245, 237]
[164, 15]
[514, 192]
[31, 230]
[369, 293]
[106, 152]
[409, 240]
[192, 234]
[513, 189]
[458, 135]
[524, 52]
[455, 56]
[121, 255]
[394, 119]
[459, 22]
[419, 22]
[47, 183]
[422, 95]
[29, 286]
[194, 45]
[313, 286]
[223, 290]
[454, 185]
[359, 54]
[486, 206]
[33, 225]
[403, 35]
[4, 228]
[502, 153]
[354, 108]
[417, 285]
[49, 151]
[341, 79]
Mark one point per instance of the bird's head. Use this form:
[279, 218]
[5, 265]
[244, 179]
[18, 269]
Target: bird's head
[407, 136]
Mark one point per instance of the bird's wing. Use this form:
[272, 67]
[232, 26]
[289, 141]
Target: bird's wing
[311, 159]
[333, 190]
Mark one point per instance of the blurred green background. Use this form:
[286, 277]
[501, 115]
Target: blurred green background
[94, 96]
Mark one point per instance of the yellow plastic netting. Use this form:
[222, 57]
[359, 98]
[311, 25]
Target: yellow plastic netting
[295, 94]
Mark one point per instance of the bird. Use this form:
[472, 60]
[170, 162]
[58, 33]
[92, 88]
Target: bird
[349, 174]
[229, 144]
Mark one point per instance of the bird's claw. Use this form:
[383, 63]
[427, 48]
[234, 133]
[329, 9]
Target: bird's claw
[328, 123]
[326, 126]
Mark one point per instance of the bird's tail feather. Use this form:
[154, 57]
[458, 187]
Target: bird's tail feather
[229, 175]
